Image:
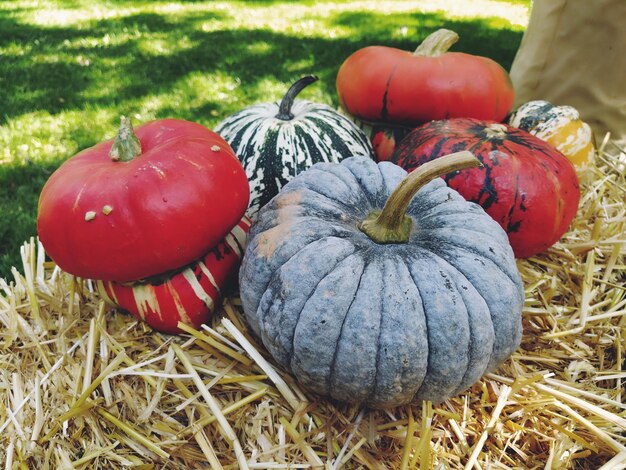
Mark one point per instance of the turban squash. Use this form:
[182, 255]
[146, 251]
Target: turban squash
[144, 214]
[381, 307]
[188, 295]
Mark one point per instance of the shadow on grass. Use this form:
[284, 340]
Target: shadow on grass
[48, 72]
[18, 204]
[69, 69]
[55, 74]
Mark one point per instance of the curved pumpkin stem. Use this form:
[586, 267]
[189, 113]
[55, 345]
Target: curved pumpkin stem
[437, 43]
[126, 145]
[392, 225]
[284, 110]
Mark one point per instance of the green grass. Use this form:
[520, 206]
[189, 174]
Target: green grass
[69, 69]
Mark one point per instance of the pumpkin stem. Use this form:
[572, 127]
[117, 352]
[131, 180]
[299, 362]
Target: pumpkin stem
[126, 145]
[437, 43]
[284, 110]
[392, 225]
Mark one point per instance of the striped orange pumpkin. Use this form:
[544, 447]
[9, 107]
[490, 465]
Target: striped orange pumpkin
[188, 295]
[560, 126]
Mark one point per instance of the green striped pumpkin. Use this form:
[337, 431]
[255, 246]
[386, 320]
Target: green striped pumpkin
[277, 141]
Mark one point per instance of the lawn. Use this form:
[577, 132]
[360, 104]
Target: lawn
[69, 69]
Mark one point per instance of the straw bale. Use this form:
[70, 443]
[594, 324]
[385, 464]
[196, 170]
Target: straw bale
[84, 386]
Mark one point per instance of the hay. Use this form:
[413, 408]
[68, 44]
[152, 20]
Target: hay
[82, 386]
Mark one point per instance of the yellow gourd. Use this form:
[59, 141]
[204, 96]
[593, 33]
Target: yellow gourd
[560, 126]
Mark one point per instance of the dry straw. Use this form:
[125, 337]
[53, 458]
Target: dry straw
[82, 386]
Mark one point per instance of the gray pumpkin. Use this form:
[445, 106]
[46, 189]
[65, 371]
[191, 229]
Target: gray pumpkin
[421, 313]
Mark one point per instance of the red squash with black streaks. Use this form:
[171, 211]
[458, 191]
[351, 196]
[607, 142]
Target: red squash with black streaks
[382, 84]
[385, 139]
[144, 204]
[188, 295]
[525, 184]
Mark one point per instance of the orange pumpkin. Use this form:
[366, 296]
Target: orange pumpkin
[384, 84]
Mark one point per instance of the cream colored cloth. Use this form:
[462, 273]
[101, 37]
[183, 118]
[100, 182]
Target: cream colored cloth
[574, 53]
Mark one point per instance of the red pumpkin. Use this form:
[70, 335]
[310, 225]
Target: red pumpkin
[525, 184]
[189, 295]
[385, 140]
[137, 208]
[384, 84]
[383, 137]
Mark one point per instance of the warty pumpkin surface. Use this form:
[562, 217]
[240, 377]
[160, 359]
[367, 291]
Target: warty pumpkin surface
[143, 204]
[381, 323]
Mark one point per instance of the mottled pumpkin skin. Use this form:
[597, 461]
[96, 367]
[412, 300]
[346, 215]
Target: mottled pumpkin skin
[560, 126]
[379, 324]
[525, 184]
[274, 150]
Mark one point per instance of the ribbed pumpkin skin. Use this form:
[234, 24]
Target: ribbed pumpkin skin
[560, 126]
[526, 185]
[381, 324]
[273, 150]
[188, 296]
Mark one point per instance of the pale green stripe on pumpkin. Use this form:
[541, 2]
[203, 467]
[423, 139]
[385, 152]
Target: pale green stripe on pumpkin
[197, 288]
[102, 291]
[179, 305]
[273, 151]
[231, 241]
[240, 237]
[145, 298]
[208, 274]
